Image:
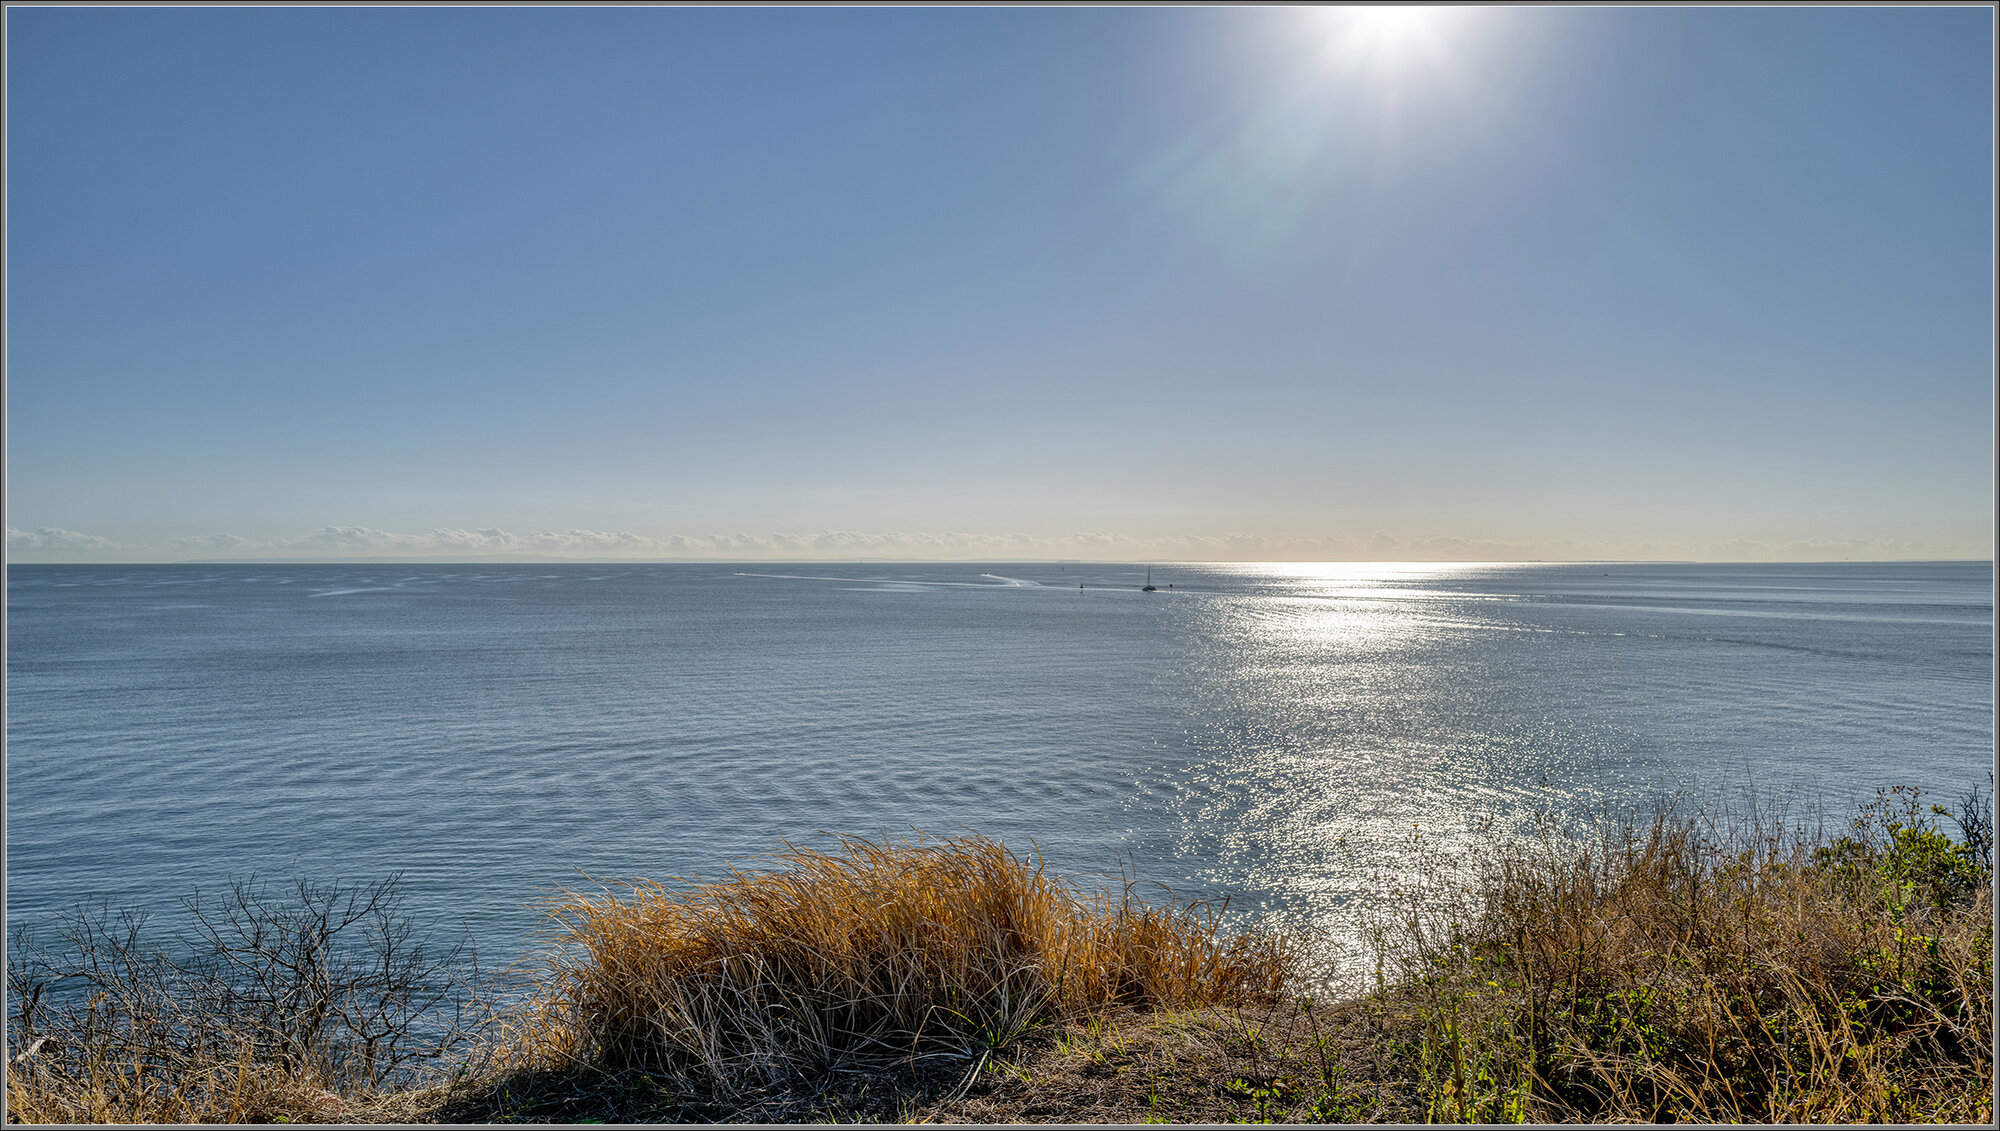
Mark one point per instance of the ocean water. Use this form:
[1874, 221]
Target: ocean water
[1272, 734]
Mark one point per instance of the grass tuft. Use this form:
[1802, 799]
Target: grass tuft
[870, 956]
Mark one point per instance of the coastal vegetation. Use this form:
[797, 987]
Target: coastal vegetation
[1691, 966]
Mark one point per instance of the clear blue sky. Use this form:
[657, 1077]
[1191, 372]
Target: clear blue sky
[1550, 282]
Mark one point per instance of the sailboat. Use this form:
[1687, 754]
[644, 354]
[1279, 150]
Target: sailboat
[1150, 587]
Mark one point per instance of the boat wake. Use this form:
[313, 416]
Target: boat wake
[907, 584]
[1012, 582]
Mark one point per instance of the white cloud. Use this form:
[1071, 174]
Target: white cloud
[354, 539]
[55, 538]
[486, 538]
[596, 541]
[217, 542]
[338, 541]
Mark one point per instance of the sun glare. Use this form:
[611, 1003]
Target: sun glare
[1385, 34]
[1389, 23]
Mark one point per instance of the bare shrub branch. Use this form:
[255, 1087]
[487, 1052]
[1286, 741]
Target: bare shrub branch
[274, 1000]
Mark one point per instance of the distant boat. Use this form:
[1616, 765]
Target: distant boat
[1150, 587]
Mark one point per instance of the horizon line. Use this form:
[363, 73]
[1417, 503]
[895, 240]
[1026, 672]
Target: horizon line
[525, 559]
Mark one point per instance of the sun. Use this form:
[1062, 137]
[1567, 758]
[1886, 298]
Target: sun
[1389, 23]
[1385, 35]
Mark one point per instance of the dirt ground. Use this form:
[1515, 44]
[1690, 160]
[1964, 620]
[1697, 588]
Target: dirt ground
[1327, 1064]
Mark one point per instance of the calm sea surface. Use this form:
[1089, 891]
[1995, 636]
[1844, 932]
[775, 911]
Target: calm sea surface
[1272, 733]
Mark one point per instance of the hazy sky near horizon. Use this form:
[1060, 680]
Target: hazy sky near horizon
[967, 282]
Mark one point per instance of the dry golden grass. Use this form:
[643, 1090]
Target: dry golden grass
[870, 955]
[103, 1084]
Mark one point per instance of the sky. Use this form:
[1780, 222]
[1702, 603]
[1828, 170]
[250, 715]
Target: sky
[968, 283]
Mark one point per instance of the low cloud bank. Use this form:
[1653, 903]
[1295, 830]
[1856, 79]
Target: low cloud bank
[343, 541]
[50, 543]
[54, 538]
